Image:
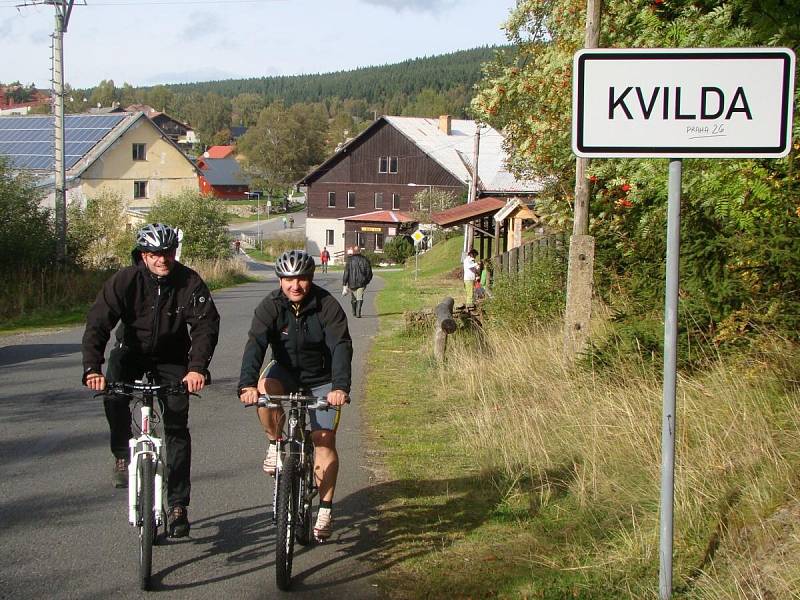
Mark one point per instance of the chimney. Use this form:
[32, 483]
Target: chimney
[444, 124]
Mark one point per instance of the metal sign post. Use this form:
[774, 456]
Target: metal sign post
[669, 422]
[680, 103]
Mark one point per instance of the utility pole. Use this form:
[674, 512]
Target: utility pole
[63, 9]
[577, 316]
[469, 232]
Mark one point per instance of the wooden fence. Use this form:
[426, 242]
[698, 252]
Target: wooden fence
[514, 260]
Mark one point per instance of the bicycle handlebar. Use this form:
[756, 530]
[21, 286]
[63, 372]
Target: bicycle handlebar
[278, 400]
[127, 389]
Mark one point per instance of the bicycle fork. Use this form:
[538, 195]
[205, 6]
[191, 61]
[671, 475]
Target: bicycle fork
[145, 448]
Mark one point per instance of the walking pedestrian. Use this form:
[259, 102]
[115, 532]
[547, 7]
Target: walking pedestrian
[324, 257]
[291, 222]
[357, 275]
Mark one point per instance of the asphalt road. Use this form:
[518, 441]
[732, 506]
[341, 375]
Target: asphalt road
[63, 527]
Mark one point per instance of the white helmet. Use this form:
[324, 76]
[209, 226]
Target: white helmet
[294, 263]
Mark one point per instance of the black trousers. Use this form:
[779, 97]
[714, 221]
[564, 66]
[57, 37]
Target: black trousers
[125, 366]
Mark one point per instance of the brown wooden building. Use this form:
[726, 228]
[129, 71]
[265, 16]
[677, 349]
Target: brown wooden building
[382, 169]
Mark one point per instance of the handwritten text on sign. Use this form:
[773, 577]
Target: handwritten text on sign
[683, 103]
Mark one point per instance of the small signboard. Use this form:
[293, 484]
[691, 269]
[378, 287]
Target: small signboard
[418, 236]
[683, 103]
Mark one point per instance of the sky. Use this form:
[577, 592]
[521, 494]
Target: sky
[146, 42]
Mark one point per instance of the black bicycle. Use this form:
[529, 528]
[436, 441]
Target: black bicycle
[295, 485]
[147, 481]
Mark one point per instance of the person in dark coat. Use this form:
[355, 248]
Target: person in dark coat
[169, 328]
[357, 275]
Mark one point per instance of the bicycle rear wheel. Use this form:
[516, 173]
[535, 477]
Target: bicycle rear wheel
[286, 509]
[147, 525]
[305, 495]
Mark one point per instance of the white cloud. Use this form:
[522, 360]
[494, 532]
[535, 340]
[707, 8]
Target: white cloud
[430, 6]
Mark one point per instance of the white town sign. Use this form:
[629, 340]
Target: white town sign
[683, 103]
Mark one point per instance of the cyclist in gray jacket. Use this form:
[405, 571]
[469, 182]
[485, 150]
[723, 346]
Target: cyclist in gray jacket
[307, 330]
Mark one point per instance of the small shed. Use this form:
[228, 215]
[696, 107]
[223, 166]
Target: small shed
[478, 214]
[371, 230]
[512, 215]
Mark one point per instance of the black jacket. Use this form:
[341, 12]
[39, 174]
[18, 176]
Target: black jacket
[312, 342]
[156, 315]
[357, 272]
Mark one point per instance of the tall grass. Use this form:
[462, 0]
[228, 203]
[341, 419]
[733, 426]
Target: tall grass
[589, 444]
[219, 273]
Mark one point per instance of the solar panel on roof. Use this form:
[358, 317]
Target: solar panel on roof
[28, 142]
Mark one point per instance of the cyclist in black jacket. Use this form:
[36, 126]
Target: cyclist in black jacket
[170, 328]
[312, 351]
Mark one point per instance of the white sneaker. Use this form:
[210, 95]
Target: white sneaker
[324, 524]
[271, 459]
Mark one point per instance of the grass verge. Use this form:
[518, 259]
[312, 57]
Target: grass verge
[512, 474]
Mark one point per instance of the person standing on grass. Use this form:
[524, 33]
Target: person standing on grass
[170, 328]
[356, 277]
[324, 257]
[470, 273]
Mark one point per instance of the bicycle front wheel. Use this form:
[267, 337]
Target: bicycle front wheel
[305, 495]
[146, 477]
[286, 509]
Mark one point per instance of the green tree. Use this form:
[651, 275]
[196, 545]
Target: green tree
[398, 249]
[285, 143]
[97, 235]
[246, 108]
[202, 220]
[105, 94]
[26, 229]
[741, 232]
[160, 97]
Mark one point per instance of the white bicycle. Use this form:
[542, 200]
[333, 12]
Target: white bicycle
[147, 482]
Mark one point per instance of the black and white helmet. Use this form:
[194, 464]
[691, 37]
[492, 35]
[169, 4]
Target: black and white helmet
[294, 263]
[156, 237]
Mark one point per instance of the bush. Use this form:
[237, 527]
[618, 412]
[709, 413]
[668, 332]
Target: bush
[398, 249]
[26, 229]
[202, 220]
[533, 296]
[97, 235]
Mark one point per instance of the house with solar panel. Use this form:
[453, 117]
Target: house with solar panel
[122, 152]
[362, 194]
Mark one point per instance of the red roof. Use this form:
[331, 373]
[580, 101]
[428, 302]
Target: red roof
[465, 213]
[218, 152]
[382, 216]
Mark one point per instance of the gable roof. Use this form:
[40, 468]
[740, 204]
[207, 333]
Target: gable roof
[218, 152]
[222, 171]
[453, 152]
[464, 213]
[28, 141]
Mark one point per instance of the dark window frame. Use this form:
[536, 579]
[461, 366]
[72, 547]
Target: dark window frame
[379, 245]
[329, 237]
[139, 190]
[393, 163]
[139, 151]
[383, 164]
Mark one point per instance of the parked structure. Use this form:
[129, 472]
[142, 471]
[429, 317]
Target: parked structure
[123, 152]
[223, 178]
[381, 170]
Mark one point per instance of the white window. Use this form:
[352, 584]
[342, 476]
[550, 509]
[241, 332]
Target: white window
[139, 152]
[383, 164]
[329, 237]
[331, 199]
[351, 199]
[392, 164]
[395, 201]
[378, 241]
[378, 199]
[139, 189]
[360, 239]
